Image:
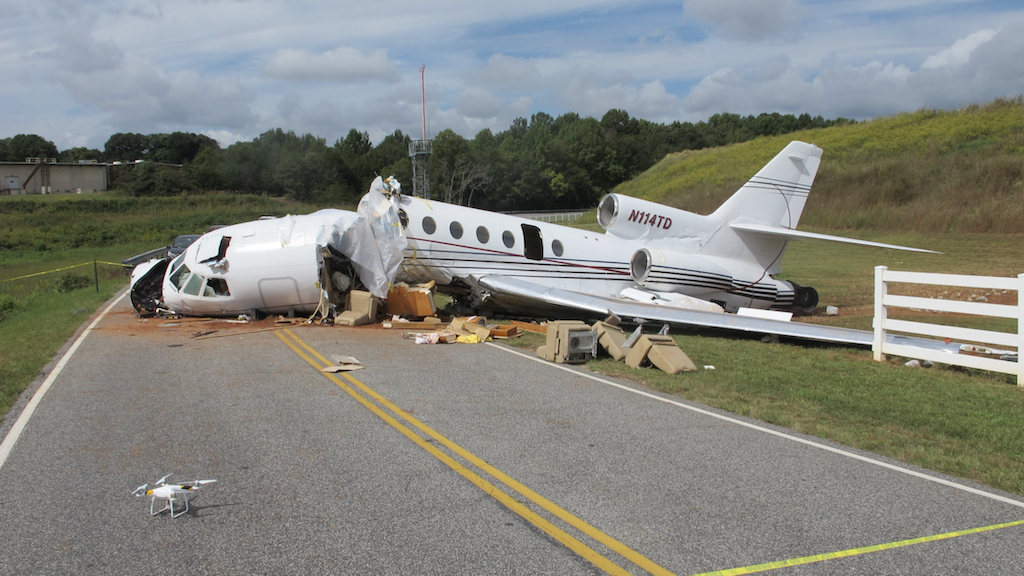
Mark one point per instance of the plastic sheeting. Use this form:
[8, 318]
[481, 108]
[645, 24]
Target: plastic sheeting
[375, 242]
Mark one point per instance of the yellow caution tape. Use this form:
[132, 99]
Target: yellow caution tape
[59, 270]
[857, 551]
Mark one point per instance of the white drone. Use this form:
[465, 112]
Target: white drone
[175, 495]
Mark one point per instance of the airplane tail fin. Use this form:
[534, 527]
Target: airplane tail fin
[772, 200]
[776, 195]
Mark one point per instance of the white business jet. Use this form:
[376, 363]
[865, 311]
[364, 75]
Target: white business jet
[653, 263]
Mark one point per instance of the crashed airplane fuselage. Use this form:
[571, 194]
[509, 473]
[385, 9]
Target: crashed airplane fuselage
[653, 262]
[649, 253]
[288, 265]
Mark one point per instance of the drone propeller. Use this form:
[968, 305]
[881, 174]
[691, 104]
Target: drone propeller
[162, 480]
[140, 490]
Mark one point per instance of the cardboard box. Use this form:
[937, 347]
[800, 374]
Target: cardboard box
[412, 301]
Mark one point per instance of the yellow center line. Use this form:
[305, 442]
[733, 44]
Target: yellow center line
[857, 551]
[555, 532]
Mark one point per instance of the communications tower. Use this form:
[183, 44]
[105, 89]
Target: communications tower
[419, 151]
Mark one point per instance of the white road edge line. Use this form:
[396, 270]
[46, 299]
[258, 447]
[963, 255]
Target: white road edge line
[19, 425]
[914, 473]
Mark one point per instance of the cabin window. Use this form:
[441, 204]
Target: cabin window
[482, 234]
[429, 226]
[557, 248]
[178, 276]
[533, 242]
[216, 287]
[508, 238]
[456, 230]
[194, 284]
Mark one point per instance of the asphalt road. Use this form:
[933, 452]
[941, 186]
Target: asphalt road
[457, 459]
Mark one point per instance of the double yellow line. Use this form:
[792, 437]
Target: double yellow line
[317, 360]
[365, 394]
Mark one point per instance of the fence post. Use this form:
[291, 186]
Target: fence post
[880, 316]
[1020, 329]
[96, 276]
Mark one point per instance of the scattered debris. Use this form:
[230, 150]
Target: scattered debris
[466, 330]
[612, 339]
[569, 342]
[342, 364]
[572, 342]
[413, 301]
[831, 311]
[360, 308]
[662, 352]
[428, 323]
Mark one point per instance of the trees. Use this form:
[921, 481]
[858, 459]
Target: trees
[174, 148]
[80, 153]
[456, 171]
[22, 146]
[539, 163]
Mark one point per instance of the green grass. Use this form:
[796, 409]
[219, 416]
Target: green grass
[962, 423]
[41, 322]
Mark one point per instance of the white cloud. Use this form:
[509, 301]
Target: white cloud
[649, 101]
[960, 52]
[343, 64]
[747, 20]
[224, 137]
[235, 68]
[478, 103]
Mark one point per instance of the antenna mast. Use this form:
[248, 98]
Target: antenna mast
[419, 150]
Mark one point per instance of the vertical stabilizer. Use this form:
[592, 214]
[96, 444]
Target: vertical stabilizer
[776, 195]
[773, 198]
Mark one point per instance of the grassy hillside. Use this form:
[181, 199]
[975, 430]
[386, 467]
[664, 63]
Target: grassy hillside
[929, 171]
[42, 228]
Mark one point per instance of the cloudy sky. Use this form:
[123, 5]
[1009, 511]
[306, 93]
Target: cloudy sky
[76, 72]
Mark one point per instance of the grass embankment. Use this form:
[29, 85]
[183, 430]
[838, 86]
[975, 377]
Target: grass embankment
[928, 171]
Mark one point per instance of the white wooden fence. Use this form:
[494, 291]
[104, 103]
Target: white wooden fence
[979, 359]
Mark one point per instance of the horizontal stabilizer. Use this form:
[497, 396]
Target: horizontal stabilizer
[798, 235]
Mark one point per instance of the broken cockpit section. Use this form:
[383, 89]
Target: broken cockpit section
[306, 264]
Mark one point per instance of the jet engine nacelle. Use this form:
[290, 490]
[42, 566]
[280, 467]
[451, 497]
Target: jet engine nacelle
[669, 271]
[632, 218]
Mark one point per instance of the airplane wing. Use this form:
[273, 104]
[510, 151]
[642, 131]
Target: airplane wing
[515, 293]
[799, 235]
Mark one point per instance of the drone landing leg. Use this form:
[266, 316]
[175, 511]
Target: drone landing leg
[173, 515]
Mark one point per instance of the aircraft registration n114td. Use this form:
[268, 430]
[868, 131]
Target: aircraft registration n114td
[653, 262]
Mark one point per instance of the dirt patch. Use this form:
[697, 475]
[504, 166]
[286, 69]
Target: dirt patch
[168, 330]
